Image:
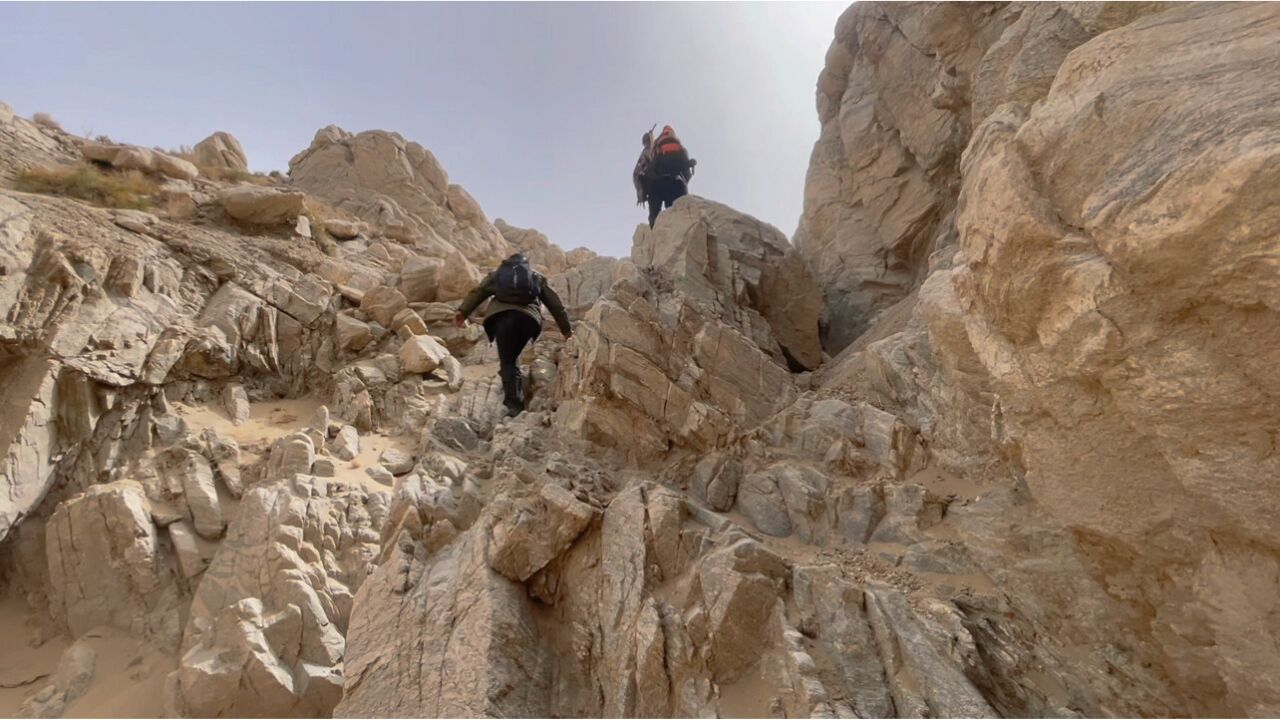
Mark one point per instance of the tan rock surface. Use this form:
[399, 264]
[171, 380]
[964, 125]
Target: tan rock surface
[132, 157]
[221, 150]
[399, 188]
[261, 205]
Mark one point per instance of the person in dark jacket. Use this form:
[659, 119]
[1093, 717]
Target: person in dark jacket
[513, 325]
[662, 172]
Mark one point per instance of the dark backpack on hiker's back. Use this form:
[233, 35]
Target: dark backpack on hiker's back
[670, 159]
[516, 283]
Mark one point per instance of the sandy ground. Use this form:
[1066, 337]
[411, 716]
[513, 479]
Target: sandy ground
[749, 696]
[23, 667]
[271, 420]
[128, 679]
[267, 421]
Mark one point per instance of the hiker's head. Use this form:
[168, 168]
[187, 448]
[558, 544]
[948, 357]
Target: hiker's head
[647, 140]
[516, 259]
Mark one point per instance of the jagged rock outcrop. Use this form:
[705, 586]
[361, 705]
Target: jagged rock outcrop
[24, 144]
[686, 618]
[685, 343]
[548, 258]
[400, 188]
[265, 631]
[581, 285]
[902, 92]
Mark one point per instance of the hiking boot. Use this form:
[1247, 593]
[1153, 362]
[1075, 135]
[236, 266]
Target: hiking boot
[512, 391]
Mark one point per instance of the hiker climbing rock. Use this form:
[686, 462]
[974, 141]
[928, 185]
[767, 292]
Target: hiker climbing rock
[513, 318]
[662, 172]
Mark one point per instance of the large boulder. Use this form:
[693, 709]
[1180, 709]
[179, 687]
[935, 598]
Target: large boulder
[420, 278]
[382, 304]
[106, 565]
[262, 205]
[221, 150]
[132, 157]
[422, 354]
[740, 268]
[28, 438]
[531, 532]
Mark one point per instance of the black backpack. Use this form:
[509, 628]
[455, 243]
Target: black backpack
[671, 164]
[516, 283]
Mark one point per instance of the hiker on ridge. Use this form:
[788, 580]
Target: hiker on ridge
[513, 319]
[662, 172]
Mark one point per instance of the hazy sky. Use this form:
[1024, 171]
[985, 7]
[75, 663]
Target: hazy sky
[537, 109]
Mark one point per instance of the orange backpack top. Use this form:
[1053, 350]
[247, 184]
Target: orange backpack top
[667, 143]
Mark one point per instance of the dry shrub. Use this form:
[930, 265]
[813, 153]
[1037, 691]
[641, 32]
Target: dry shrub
[46, 120]
[232, 175]
[130, 189]
[318, 213]
[237, 176]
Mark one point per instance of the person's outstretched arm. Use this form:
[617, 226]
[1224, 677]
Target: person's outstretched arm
[473, 299]
[552, 301]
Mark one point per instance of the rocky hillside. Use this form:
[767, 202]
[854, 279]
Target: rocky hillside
[993, 436]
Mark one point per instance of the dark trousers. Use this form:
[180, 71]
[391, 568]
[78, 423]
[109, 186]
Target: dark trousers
[664, 191]
[512, 330]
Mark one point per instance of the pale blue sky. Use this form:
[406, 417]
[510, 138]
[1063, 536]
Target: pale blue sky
[535, 108]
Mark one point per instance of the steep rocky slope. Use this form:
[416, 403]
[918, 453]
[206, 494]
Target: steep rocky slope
[993, 437]
[1096, 289]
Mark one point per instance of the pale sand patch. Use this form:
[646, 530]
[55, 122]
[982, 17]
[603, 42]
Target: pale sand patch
[128, 678]
[267, 421]
[750, 695]
[23, 668]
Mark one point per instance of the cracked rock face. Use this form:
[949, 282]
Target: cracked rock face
[265, 630]
[992, 438]
[105, 565]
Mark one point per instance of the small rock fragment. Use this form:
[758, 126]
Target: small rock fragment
[381, 474]
[236, 402]
[346, 444]
[422, 354]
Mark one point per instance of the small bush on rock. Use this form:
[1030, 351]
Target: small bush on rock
[45, 120]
